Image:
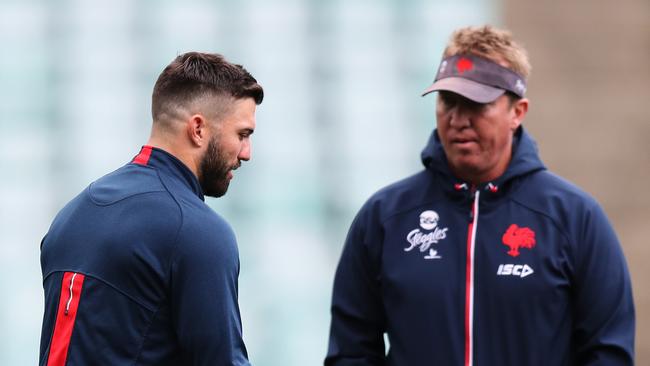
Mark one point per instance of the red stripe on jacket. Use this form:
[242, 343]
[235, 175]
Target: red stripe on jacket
[468, 285]
[143, 156]
[66, 314]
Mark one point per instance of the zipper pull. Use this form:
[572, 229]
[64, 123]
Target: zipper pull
[475, 194]
[492, 188]
[472, 198]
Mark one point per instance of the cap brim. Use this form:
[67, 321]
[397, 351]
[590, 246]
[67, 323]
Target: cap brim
[470, 89]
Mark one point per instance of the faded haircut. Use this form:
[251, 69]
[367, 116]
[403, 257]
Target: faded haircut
[193, 76]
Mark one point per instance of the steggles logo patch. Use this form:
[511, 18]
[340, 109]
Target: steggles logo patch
[518, 237]
[423, 239]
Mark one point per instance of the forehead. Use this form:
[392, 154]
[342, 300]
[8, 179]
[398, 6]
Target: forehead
[243, 106]
[240, 113]
[448, 96]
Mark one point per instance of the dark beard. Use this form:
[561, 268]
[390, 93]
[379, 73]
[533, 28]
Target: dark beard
[213, 172]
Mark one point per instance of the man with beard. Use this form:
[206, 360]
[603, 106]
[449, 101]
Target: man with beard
[137, 269]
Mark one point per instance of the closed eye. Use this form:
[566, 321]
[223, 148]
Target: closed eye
[245, 133]
[451, 100]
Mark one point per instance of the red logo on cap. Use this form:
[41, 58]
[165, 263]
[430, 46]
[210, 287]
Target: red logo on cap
[518, 237]
[463, 65]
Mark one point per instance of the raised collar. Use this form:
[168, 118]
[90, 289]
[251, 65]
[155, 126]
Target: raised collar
[169, 164]
[525, 160]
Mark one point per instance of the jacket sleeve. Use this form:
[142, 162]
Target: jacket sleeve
[604, 320]
[205, 310]
[358, 323]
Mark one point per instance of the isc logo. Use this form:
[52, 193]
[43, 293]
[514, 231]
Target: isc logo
[521, 270]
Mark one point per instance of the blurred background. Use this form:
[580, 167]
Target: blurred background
[342, 117]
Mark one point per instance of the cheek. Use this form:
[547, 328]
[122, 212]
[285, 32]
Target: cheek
[442, 125]
[500, 137]
[234, 147]
[440, 118]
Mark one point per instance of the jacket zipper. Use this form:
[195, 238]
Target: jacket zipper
[469, 281]
[66, 314]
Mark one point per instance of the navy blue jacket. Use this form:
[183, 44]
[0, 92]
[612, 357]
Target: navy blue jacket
[524, 270]
[138, 270]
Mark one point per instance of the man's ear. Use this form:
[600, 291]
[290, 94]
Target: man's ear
[519, 110]
[197, 130]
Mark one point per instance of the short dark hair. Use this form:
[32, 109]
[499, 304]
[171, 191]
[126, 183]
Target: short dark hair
[194, 74]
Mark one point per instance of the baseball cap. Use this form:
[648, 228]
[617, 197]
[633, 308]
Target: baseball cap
[476, 78]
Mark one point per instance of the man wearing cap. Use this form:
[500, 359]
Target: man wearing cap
[484, 257]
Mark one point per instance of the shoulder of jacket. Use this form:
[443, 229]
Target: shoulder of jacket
[403, 195]
[566, 205]
[201, 224]
[545, 185]
[143, 193]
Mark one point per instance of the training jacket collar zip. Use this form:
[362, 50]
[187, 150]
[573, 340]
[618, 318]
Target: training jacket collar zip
[471, 188]
[161, 159]
[525, 160]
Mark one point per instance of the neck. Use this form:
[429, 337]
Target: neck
[180, 153]
[477, 177]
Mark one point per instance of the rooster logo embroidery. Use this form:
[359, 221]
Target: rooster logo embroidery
[463, 65]
[518, 237]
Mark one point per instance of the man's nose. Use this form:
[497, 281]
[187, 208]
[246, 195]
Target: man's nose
[245, 152]
[460, 118]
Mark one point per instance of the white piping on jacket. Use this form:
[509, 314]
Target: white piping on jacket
[471, 279]
[67, 306]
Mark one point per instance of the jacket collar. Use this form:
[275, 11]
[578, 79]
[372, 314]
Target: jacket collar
[525, 160]
[168, 163]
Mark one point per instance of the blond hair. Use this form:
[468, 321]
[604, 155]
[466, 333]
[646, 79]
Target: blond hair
[495, 44]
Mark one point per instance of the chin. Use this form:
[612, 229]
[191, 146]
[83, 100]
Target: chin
[466, 163]
[216, 190]
[465, 170]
